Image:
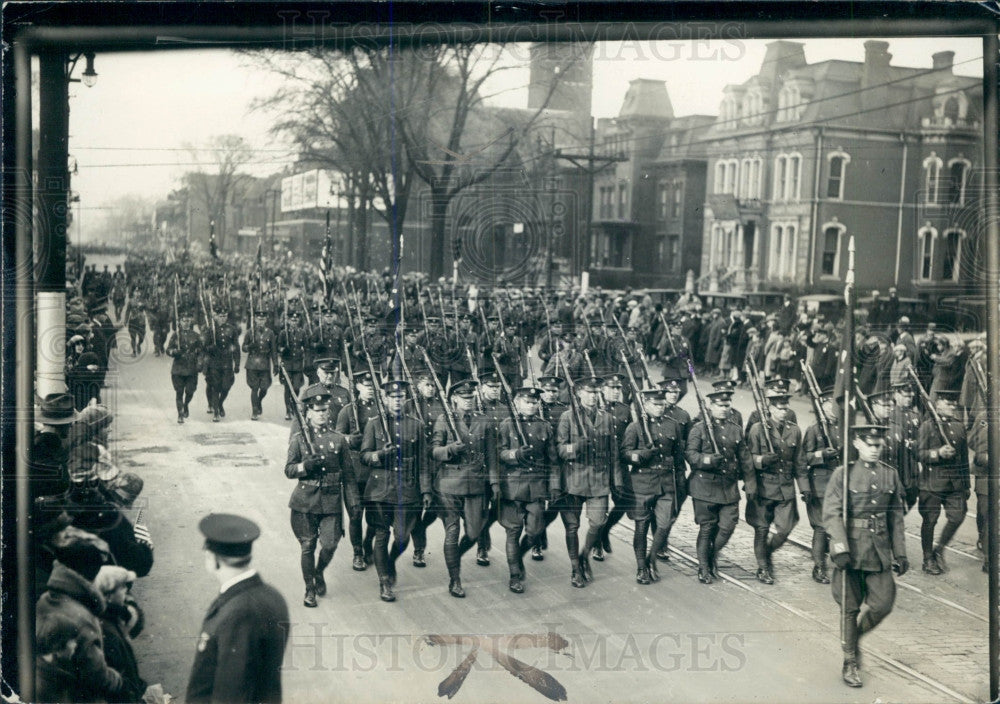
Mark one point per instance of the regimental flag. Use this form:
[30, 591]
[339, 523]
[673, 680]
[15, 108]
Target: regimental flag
[326, 260]
[212, 248]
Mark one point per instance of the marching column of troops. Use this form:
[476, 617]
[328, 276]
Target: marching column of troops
[412, 403]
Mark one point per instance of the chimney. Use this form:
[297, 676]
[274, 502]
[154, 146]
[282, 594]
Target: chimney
[943, 60]
[874, 72]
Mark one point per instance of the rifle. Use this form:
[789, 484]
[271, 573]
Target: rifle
[929, 405]
[758, 401]
[350, 384]
[703, 407]
[253, 333]
[670, 338]
[350, 320]
[423, 314]
[848, 357]
[522, 438]
[863, 403]
[448, 414]
[305, 312]
[303, 426]
[379, 408]
[486, 326]
[474, 371]
[573, 406]
[548, 324]
[444, 320]
[177, 315]
[814, 395]
[413, 390]
[643, 416]
[208, 295]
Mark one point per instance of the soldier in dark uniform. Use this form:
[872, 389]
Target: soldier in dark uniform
[291, 342]
[550, 410]
[136, 323]
[775, 384]
[351, 422]
[945, 481]
[770, 482]
[621, 416]
[328, 375]
[318, 459]
[815, 463]
[159, 321]
[653, 481]
[901, 441]
[467, 471]
[259, 344]
[243, 636]
[528, 473]
[713, 480]
[980, 470]
[430, 409]
[868, 544]
[730, 386]
[185, 347]
[399, 484]
[589, 450]
[495, 410]
[672, 395]
[222, 363]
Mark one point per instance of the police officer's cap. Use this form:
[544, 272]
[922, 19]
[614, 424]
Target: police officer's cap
[551, 383]
[528, 392]
[315, 396]
[614, 380]
[395, 386]
[228, 535]
[868, 433]
[720, 396]
[724, 385]
[657, 394]
[590, 383]
[465, 388]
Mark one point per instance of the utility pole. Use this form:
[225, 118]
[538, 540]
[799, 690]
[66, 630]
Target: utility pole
[591, 164]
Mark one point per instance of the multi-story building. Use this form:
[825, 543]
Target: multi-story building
[802, 156]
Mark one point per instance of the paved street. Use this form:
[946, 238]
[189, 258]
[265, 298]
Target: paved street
[677, 640]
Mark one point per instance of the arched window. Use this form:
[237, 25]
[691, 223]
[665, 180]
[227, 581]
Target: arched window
[720, 176]
[838, 161]
[780, 176]
[794, 174]
[678, 197]
[958, 174]
[925, 262]
[951, 109]
[756, 165]
[932, 177]
[664, 193]
[732, 173]
[952, 263]
[773, 250]
[830, 255]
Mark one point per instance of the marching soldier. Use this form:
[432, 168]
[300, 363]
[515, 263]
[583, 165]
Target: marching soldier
[672, 395]
[713, 480]
[653, 483]
[818, 456]
[901, 440]
[259, 344]
[185, 347]
[730, 386]
[868, 544]
[351, 422]
[430, 410]
[770, 483]
[980, 465]
[495, 411]
[945, 481]
[318, 459]
[528, 473]
[399, 484]
[328, 381]
[551, 410]
[291, 341]
[468, 466]
[222, 363]
[159, 322]
[621, 416]
[781, 386]
[587, 445]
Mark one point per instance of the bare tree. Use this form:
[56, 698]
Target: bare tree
[218, 181]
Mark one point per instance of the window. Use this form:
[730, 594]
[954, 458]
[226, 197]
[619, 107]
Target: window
[794, 171]
[622, 200]
[958, 173]
[744, 179]
[720, 176]
[612, 250]
[932, 175]
[664, 199]
[780, 176]
[773, 268]
[756, 166]
[838, 161]
[788, 253]
[952, 254]
[951, 110]
[927, 235]
[668, 253]
[675, 211]
[732, 172]
[830, 257]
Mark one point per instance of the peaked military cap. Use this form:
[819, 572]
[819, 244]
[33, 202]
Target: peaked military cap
[880, 397]
[363, 378]
[465, 388]
[328, 364]
[670, 385]
[489, 376]
[549, 382]
[315, 396]
[777, 392]
[657, 394]
[720, 396]
[528, 392]
[590, 383]
[614, 380]
[227, 534]
[395, 386]
[949, 396]
[724, 385]
[777, 384]
[868, 433]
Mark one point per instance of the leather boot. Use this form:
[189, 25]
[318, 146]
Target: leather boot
[704, 550]
[642, 576]
[585, 570]
[654, 574]
[385, 591]
[418, 558]
[819, 573]
[309, 599]
[455, 588]
[516, 585]
[850, 673]
[359, 564]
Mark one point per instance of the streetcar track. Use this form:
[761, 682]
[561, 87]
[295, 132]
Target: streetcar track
[886, 660]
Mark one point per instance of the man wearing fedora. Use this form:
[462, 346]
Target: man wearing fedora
[50, 454]
[243, 637]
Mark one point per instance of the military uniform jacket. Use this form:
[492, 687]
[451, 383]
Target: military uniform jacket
[812, 472]
[321, 492]
[347, 426]
[241, 646]
[977, 443]
[873, 532]
[790, 417]
[716, 485]
[621, 416]
[532, 478]
[339, 398]
[222, 350]
[682, 417]
[941, 475]
[469, 473]
[329, 339]
[660, 469]
[403, 476]
[291, 342]
[777, 482]
[589, 460]
[260, 349]
[187, 353]
[901, 444]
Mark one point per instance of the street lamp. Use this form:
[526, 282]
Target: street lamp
[89, 74]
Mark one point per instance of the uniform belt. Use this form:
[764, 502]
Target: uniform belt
[661, 469]
[873, 521]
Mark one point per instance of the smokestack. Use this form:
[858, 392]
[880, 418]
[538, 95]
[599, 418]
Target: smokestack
[874, 72]
[943, 60]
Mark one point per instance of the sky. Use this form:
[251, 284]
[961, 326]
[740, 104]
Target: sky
[128, 132]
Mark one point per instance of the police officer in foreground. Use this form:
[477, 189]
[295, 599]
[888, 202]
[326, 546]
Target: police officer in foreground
[713, 481]
[243, 636]
[318, 458]
[868, 544]
[399, 485]
[528, 471]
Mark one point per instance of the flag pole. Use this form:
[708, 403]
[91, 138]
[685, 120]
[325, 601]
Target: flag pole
[848, 356]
